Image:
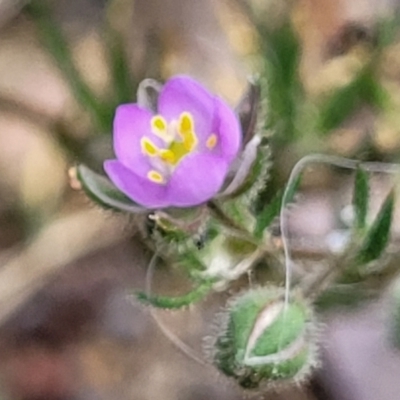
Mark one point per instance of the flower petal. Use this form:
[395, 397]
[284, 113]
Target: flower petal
[131, 123]
[197, 179]
[139, 189]
[226, 126]
[183, 94]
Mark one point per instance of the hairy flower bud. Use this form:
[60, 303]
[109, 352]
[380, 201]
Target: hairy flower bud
[262, 340]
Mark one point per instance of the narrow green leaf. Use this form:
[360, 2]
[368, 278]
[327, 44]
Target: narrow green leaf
[272, 209]
[104, 193]
[361, 199]
[364, 89]
[378, 235]
[268, 214]
[281, 54]
[168, 302]
[123, 82]
[57, 46]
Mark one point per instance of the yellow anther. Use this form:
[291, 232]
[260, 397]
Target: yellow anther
[186, 131]
[185, 123]
[212, 141]
[158, 123]
[148, 147]
[159, 127]
[189, 141]
[155, 176]
[179, 137]
[168, 156]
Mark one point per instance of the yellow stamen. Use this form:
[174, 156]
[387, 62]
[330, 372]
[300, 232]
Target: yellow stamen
[158, 123]
[155, 176]
[212, 141]
[148, 147]
[160, 127]
[180, 139]
[168, 156]
[186, 131]
[185, 122]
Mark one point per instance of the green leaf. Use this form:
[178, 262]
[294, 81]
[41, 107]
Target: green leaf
[273, 208]
[378, 235]
[169, 302]
[364, 89]
[281, 54]
[348, 296]
[123, 83]
[104, 193]
[55, 43]
[361, 199]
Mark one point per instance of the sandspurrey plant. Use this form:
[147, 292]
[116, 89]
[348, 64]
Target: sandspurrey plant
[195, 168]
[199, 179]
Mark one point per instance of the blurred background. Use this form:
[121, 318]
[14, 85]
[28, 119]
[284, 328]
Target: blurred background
[69, 327]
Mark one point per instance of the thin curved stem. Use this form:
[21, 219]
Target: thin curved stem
[175, 340]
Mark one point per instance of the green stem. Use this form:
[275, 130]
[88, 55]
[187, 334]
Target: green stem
[320, 282]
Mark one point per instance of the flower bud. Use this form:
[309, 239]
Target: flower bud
[263, 340]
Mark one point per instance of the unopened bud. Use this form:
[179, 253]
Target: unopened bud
[263, 340]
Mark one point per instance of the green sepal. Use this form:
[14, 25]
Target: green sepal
[248, 111]
[284, 331]
[176, 302]
[378, 234]
[102, 191]
[260, 173]
[361, 199]
[169, 229]
[257, 173]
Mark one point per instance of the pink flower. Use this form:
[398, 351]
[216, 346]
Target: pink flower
[178, 156]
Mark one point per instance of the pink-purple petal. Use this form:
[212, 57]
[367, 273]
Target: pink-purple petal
[200, 175]
[141, 190]
[183, 94]
[196, 180]
[227, 128]
[131, 123]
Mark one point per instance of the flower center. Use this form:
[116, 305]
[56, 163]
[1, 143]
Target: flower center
[180, 140]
